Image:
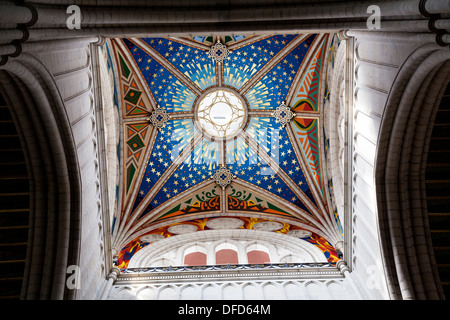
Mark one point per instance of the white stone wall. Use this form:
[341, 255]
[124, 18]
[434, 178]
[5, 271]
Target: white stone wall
[172, 250]
[254, 289]
[377, 61]
[308, 283]
[71, 68]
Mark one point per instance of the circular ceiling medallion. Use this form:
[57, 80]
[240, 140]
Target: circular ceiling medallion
[223, 177]
[299, 233]
[151, 238]
[159, 117]
[283, 114]
[221, 113]
[182, 228]
[268, 226]
[225, 223]
[219, 52]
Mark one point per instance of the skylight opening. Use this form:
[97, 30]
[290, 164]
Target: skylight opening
[221, 113]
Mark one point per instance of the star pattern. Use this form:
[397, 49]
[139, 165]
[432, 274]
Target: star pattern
[250, 167]
[177, 73]
[268, 92]
[271, 90]
[191, 61]
[163, 85]
[273, 139]
[247, 60]
[169, 143]
[199, 166]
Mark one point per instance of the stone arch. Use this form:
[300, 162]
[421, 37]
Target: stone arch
[227, 251]
[190, 292]
[258, 252]
[194, 254]
[272, 290]
[167, 292]
[400, 162]
[52, 163]
[146, 293]
[251, 291]
[336, 290]
[293, 290]
[144, 256]
[231, 291]
[210, 291]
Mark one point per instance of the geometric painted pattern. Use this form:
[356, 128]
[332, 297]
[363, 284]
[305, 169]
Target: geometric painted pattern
[271, 170]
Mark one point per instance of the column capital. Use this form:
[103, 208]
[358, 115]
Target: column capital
[113, 274]
[343, 34]
[101, 41]
[342, 266]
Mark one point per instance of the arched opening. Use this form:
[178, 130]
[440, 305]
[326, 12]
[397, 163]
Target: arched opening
[258, 254]
[401, 162]
[195, 259]
[15, 206]
[226, 253]
[53, 172]
[195, 256]
[226, 256]
[437, 182]
[258, 257]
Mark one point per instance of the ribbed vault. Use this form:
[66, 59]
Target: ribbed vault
[272, 167]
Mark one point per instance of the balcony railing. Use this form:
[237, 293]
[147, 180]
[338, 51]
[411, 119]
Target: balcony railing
[225, 267]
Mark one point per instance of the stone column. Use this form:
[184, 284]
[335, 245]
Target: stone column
[345, 271]
[110, 279]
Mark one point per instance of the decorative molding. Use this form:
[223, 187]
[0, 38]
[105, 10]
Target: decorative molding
[283, 114]
[219, 52]
[159, 118]
[240, 271]
[223, 177]
[17, 43]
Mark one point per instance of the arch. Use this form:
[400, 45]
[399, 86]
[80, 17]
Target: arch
[262, 251]
[294, 291]
[272, 291]
[337, 291]
[194, 248]
[315, 290]
[52, 163]
[196, 258]
[334, 113]
[146, 293]
[257, 256]
[400, 165]
[231, 291]
[145, 256]
[292, 258]
[124, 293]
[168, 292]
[226, 253]
[190, 292]
[194, 255]
[210, 292]
[251, 291]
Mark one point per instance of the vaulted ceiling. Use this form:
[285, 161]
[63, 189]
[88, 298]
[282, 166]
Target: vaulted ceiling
[273, 173]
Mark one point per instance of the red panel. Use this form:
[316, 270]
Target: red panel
[258, 257]
[195, 259]
[226, 256]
